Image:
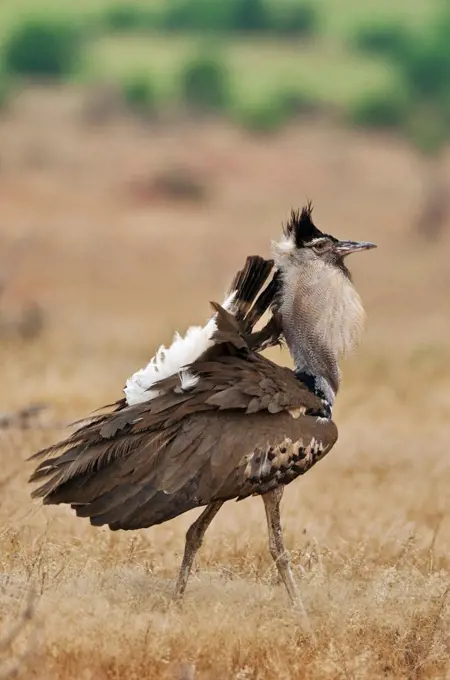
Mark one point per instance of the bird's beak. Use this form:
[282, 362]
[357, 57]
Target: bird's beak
[346, 247]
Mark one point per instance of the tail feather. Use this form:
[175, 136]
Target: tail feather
[252, 301]
[265, 301]
[247, 284]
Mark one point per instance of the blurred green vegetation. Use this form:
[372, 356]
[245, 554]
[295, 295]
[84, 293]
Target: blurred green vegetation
[5, 92]
[125, 17]
[419, 106]
[339, 18]
[43, 48]
[140, 94]
[239, 16]
[383, 64]
[204, 83]
[383, 109]
[387, 38]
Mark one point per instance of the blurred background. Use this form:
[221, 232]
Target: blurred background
[146, 148]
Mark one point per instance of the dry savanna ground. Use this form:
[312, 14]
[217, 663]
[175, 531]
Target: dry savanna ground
[117, 267]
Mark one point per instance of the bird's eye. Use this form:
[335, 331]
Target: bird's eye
[321, 246]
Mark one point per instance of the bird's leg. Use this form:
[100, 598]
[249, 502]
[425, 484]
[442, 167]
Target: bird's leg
[278, 551]
[194, 538]
[276, 543]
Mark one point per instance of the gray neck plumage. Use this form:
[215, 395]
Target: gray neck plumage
[314, 366]
[322, 317]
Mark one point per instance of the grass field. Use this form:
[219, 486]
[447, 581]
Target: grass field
[117, 273]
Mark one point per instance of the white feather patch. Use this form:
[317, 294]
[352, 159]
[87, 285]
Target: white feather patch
[174, 359]
[285, 245]
[188, 379]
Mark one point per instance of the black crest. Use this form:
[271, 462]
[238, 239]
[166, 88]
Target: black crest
[301, 226]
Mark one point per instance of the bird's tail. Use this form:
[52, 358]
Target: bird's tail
[247, 283]
[251, 301]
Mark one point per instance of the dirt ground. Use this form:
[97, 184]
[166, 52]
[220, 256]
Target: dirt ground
[118, 262]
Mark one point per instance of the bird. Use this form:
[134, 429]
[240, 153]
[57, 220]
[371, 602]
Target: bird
[212, 419]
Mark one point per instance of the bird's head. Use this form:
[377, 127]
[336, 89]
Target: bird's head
[304, 244]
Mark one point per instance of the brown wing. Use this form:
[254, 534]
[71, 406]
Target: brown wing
[245, 427]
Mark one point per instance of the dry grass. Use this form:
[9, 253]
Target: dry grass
[367, 528]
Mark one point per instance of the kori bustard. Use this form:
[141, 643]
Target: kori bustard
[210, 419]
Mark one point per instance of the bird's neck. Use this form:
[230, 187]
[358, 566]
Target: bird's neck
[322, 318]
[320, 387]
